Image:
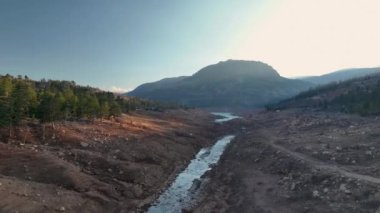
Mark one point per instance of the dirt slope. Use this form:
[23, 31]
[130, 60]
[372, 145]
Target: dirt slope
[101, 166]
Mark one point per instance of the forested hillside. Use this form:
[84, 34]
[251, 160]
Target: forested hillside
[50, 100]
[360, 95]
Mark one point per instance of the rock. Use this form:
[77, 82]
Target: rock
[62, 209]
[325, 190]
[344, 189]
[196, 184]
[293, 186]
[315, 193]
[137, 191]
[338, 148]
[84, 144]
[109, 170]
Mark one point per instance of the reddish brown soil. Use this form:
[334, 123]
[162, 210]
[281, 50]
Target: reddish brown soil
[297, 161]
[100, 166]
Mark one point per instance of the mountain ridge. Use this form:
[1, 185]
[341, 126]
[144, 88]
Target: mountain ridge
[341, 75]
[231, 83]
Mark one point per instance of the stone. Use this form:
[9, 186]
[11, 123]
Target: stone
[84, 144]
[344, 189]
[315, 193]
[293, 186]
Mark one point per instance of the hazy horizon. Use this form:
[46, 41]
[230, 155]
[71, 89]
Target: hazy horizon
[120, 45]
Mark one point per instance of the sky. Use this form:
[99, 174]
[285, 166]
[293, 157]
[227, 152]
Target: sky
[119, 44]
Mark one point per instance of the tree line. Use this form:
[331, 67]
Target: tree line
[359, 96]
[50, 100]
[362, 99]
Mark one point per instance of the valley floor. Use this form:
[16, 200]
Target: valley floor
[289, 161]
[100, 166]
[297, 161]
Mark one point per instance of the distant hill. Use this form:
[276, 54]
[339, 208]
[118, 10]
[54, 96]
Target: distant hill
[231, 83]
[341, 75]
[358, 95]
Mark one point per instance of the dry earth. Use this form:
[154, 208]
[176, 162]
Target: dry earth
[100, 166]
[288, 161]
[297, 161]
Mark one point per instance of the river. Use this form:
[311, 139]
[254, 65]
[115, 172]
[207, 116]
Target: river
[179, 194]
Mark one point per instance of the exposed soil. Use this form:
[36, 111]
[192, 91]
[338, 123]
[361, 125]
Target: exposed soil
[100, 166]
[297, 161]
[288, 161]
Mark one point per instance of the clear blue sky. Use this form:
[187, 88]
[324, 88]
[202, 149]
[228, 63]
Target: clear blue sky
[114, 44]
[117, 43]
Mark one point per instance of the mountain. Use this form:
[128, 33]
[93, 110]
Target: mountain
[232, 83]
[341, 75]
[358, 95]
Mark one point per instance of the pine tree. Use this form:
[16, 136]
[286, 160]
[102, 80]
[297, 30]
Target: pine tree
[104, 110]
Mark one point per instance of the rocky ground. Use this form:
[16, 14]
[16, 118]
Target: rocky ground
[297, 161]
[286, 161]
[100, 166]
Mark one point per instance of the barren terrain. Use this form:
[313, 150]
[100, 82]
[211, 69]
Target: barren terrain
[99, 166]
[285, 161]
[297, 161]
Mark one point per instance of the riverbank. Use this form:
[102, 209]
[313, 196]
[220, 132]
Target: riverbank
[297, 161]
[100, 166]
[183, 190]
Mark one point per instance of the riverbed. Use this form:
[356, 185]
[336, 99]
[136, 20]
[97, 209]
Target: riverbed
[179, 194]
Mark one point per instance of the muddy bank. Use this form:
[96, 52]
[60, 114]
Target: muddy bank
[101, 166]
[298, 161]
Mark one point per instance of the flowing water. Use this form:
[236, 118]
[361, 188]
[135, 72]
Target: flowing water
[179, 195]
[225, 116]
